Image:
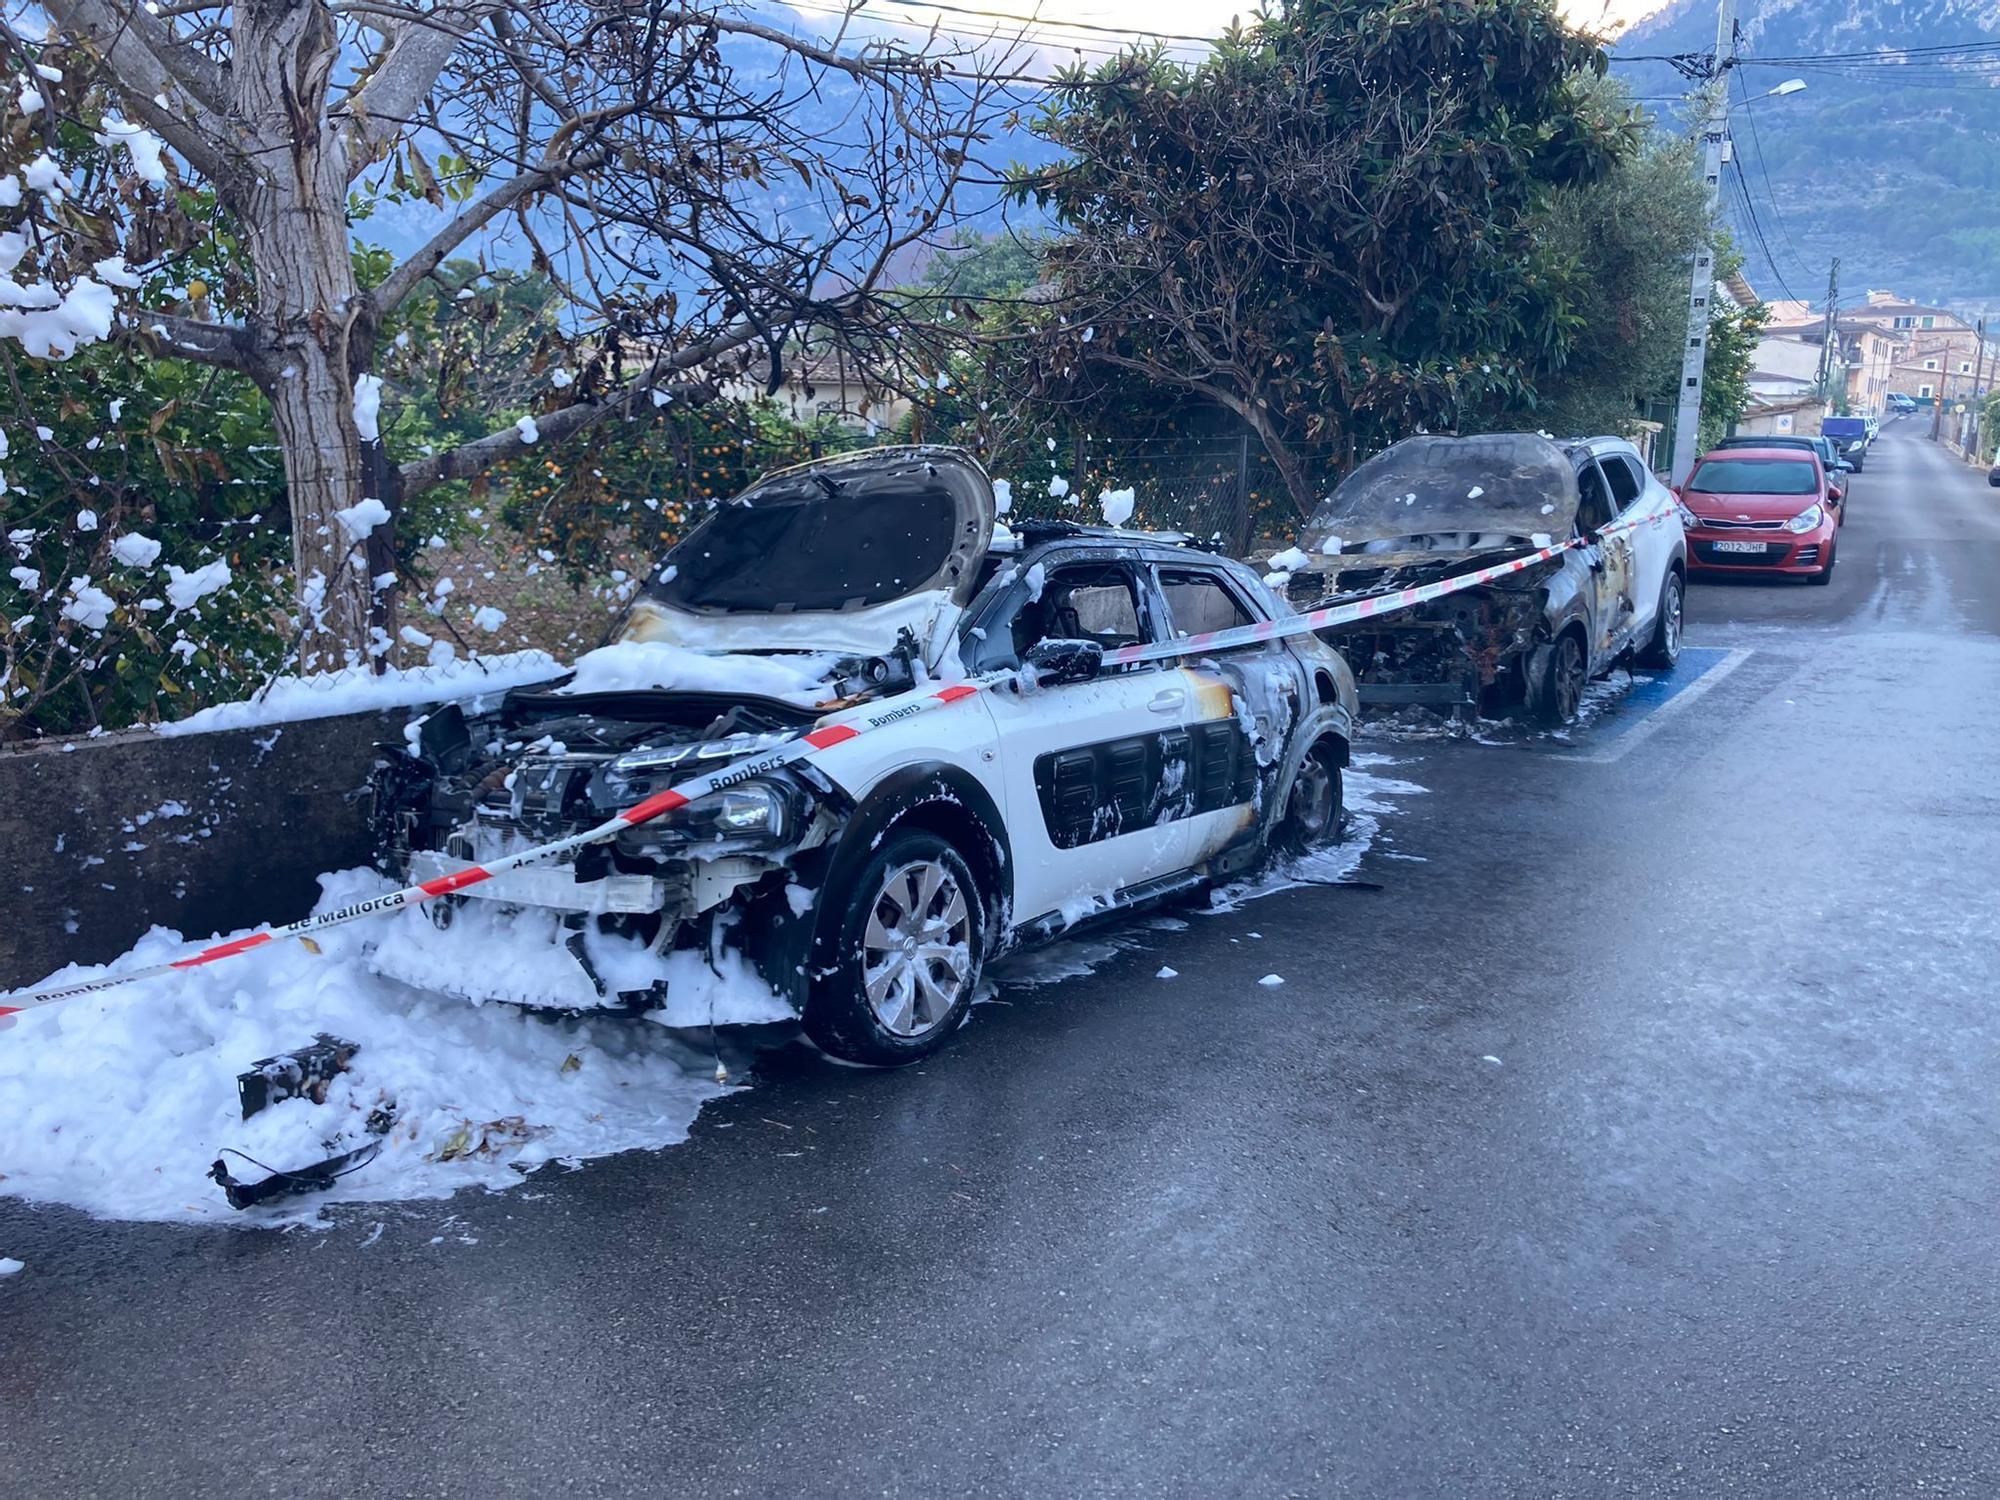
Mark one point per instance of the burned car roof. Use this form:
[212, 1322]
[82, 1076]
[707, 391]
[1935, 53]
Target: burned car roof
[1516, 483]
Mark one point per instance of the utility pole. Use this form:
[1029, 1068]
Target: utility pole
[1826, 362]
[1943, 385]
[1701, 289]
[1976, 440]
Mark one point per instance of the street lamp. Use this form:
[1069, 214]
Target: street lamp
[1715, 143]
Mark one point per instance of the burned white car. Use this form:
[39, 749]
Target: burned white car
[864, 888]
[1432, 508]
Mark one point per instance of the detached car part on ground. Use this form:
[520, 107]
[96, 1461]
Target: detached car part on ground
[864, 890]
[1430, 508]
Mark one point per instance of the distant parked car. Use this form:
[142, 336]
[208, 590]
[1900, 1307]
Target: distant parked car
[1993, 475]
[1901, 405]
[1761, 510]
[1829, 460]
[1851, 435]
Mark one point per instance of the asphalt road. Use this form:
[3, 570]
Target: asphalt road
[1637, 1138]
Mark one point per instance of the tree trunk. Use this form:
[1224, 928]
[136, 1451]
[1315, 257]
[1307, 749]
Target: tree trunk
[1291, 468]
[316, 329]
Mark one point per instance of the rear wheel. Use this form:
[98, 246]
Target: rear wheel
[1557, 673]
[1315, 815]
[1665, 647]
[897, 966]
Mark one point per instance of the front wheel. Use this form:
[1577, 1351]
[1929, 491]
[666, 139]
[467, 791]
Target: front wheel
[1557, 673]
[896, 967]
[1825, 575]
[1315, 814]
[1664, 649]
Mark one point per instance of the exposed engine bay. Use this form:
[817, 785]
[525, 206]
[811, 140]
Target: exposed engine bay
[1458, 650]
[1431, 508]
[547, 764]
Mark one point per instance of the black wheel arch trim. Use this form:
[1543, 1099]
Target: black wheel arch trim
[1327, 720]
[784, 943]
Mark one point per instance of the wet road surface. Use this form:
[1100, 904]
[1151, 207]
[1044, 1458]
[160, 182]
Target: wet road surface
[1638, 1137]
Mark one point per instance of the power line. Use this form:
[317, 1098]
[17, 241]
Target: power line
[1756, 227]
[1123, 32]
[1771, 193]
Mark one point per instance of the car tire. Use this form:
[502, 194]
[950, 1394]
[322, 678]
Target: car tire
[1315, 815]
[1664, 649]
[1557, 675]
[912, 885]
[1825, 575]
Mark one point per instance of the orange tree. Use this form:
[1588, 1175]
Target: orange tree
[620, 497]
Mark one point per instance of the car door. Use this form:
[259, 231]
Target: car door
[1643, 506]
[1610, 559]
[1242, 704]
[1092, 770]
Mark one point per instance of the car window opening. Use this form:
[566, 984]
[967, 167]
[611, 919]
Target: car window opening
[1081, 604]
[1594, 508]
[1198, 604]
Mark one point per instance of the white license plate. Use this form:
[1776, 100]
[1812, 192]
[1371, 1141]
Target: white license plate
[1756, 547]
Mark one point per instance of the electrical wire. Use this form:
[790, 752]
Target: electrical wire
[1770, 191]
[1757, 229]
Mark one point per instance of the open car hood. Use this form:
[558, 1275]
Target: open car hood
[1450, 494]
[843, 555]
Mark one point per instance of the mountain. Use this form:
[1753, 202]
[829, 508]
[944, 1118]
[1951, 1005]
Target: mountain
[1894, 166]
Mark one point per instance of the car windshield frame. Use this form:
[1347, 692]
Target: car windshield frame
[824, 538]
[1806, 467]
[1515, 484]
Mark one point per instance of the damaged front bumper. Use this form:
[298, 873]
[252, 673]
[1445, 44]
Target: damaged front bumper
[1449, 654]
[560, 937]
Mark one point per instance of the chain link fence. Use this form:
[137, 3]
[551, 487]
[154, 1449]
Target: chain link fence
[1222, 490]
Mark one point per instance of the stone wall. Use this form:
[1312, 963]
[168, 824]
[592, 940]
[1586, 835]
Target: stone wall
[203, 833]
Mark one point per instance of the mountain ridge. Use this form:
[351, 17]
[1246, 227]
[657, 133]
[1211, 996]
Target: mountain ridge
[1892, 166]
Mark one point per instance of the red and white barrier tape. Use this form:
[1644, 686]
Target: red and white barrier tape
[660, 804]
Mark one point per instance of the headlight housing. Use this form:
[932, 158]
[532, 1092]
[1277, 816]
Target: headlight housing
[754, 815]
[1809, 519]
[1689, 519]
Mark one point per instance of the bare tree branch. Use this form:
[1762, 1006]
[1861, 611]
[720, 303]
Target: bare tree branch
[223, 345]
[475, 216]
[151, 66]
[469, 459]
[417, 53]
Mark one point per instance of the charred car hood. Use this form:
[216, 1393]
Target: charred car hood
[1456, 496]
[853, 555]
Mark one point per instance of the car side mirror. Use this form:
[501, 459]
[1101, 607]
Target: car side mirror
[1835, 493]
[1842, 466]
[1059, 661]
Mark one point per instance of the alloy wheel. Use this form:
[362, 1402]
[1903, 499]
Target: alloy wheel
[1312, 809]
[1569, 670]
[916, 951]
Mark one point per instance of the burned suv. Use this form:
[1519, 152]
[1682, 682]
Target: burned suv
[1433, 508]
[864, 887]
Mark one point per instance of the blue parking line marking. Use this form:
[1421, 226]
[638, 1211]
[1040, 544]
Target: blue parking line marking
[1641, 712]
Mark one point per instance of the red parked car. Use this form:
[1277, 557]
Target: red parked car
[1761, 511]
